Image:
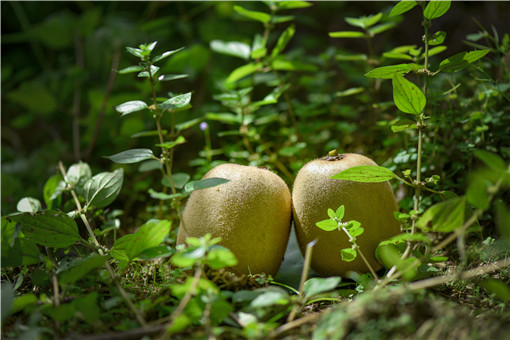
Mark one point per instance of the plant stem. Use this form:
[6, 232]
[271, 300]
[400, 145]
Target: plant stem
[358, 249]
[100, 251]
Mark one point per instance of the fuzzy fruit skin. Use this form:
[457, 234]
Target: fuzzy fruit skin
[251, 214]
[372, 204]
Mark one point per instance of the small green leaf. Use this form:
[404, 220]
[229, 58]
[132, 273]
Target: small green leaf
[220, 257]
[135, 51]
[408, 237]
[132, 156]
[169, 145]
[381, 28]
[103, 189]
[203, 184]
[435, 9]
[492, 160]
[347, 34]
[49, 228]
[156, 253]
[78, 174]
[331, 214]
[168, 77]
[348, 254]
[437, 38]
[29, 204]
[176, 102]
[131, 69]
[366, 173]
[283, 40]
[130, 107]
[364, 21]
[271, 297]
[166, 55]
[243, 71]
[436, 50]
[476, 193]
[402, 6]
[292, 4]
[318, 285]
[356, 230]
[407, 96]
[386, 72]
[461, 60]
[327, 225]
[284, 64]
[50, 188]
[339, 213]
[162, 196]
[254, 15]
[444, 217]
[396, 55]
[232, 48]
[350, 92]
[498, 288]
[402, 125]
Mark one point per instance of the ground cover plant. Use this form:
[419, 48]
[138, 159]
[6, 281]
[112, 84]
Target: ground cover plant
[113, 112]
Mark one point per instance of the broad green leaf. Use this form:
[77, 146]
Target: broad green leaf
[340, 212]
[496, 287]
[348, 254]
[131, 69]
[130, 107]
[78, 174]
[86, 307]
[390, 256]
[81, 268]
[408, 237]
[166, 55]
[131, 156]
[402, 6]
[102, 189]
[437, 38]
[476, 193]
[169, 145]
[435, 9]
[444, 217]
[7, 299]
[228, 118]
[149, 235]
[220, 257]
[243, 71]
[492, 160]
[278, 19]
[436, 50]
[402, 125]
[176, 102]
[233, 48]
[135, 51]
[283, 41]
[168, 77]
[331, 213]
[17, 250]
[407, 96]
[203, 184]
[148, 133]
[23, 302]
[49, 228]
[327, 225]
[461, 60]
[149, 165]
[319, 285]
[254, 15]
[29, 204]
[396, 55]
[386, 72]
[271, 297]
[156, 252]
[365, 173]
[347, 34]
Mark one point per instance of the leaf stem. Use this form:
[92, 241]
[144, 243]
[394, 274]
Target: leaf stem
[358, 249]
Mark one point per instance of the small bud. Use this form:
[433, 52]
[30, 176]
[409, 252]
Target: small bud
[204, 126]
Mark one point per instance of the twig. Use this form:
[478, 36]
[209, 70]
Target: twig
[54, 281]
[304, 277]
[107, 265]
[293, 324]
[77, 99]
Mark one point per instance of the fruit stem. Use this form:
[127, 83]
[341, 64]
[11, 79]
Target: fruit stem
[333, 155]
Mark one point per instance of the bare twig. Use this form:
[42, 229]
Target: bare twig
[77, 99]
[293, 324]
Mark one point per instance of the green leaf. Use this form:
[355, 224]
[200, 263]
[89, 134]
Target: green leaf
[339, 213]
[292, 4]
[435, 9]
[402, 125]
[29, 204]
[81, 268]
[203, 184]
[135, 51]
[78, 174]
[350, 92]
[319, 285]
[49, 228]
[492, 160]
[381, 28]
[348, 254]
[364, 21]
[131, 69]
[176, 102]
[461, 60]
[132, 156]
[169, 145]
[437, 38]
[232, 48]
[402, 7]
[395, 55]
[149, 235]
[162, 196]
[254, 15]
[408, 237]
[327, 225]
[49, 190]
[347, 34]
[156, 252]
[498, 288]
[386, 72]
[130, 107]
[476, 193]
[168, 77]
[87, 308]
[444, 217]
[243, 71]
[17, 250]
[283, 41]
[407, 96]
[355, 230]
[166, 55]
[228, 118]
[366, 174]
[180, 179]
[7, 299]
[102, 189]
[284, 64]
[271, 297]
[436, 50]
[220, 257]
[331, 214]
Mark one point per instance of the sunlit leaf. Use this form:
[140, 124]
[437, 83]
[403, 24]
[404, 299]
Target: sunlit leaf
[102, 189]
[130, 107]
[402, 6]
[319, 285]
[407, 96]
[435, 9]
[132, 156]
[365, 173]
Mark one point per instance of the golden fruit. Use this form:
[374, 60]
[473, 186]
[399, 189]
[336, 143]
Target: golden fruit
[372, 204]
[251, 213]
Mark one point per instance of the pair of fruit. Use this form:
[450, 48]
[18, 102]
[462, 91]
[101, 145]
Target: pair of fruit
[252, 214]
